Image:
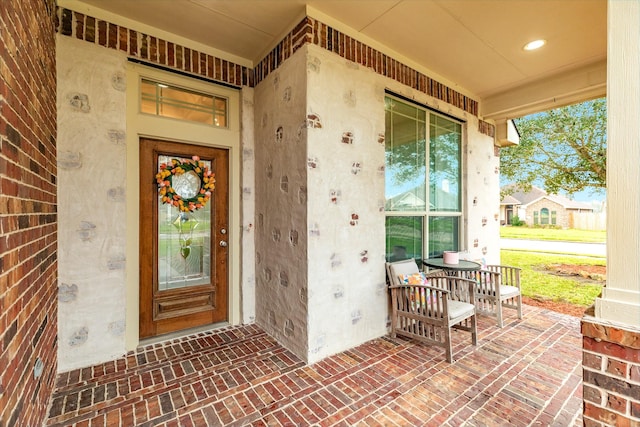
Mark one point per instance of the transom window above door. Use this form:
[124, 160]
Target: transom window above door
[423, 181]
[166, 100]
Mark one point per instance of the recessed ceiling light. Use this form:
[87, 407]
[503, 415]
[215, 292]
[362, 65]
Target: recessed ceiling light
[536, 44]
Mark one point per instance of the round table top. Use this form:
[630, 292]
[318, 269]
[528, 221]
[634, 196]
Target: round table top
[462, 265]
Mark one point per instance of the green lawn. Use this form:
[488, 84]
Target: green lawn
[570, 235]
[539, 283]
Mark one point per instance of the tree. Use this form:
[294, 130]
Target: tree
[563, 149]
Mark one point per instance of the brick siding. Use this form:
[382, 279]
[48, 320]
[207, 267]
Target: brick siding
[28, 223]
[611, 375]
[562, 216]
[161, 52]
[487, 129]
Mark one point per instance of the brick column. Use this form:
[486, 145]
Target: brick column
[611, 374]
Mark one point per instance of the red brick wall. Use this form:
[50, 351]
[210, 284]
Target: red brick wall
[158, 51]
[562, 217]
[611, 375]
[151, 49]
[28, 225]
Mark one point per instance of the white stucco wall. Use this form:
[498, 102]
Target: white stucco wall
[94, 134]
[91, 225]
[281, 204]
[248, 258]
[347, 289]
[335, 296]
[482, 180]
[313, 161]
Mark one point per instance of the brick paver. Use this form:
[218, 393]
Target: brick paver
[526, 374]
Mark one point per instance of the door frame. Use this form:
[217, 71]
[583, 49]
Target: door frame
[206, 303]
[148, 126]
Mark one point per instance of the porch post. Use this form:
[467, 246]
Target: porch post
[620, 300]
[611, 338]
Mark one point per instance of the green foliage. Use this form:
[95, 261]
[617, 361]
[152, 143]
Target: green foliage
[517, 222]
[565, 149]
[537, 281]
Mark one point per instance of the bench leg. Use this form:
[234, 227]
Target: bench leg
[447, 345]
[474, 330]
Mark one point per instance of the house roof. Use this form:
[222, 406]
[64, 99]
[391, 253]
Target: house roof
[487, 65]
[408, 200]
[527, 198]
[568, 203]
[509, 200]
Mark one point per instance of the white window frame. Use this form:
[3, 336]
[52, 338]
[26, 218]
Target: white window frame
[426, 214]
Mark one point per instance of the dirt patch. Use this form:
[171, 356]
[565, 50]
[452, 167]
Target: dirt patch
[583, 273]
[596, 273]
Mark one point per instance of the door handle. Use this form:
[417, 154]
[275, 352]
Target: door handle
[223, 243]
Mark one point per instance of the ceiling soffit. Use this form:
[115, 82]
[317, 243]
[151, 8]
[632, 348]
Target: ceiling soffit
[475, 47]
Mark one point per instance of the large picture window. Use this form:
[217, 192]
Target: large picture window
[423, 164]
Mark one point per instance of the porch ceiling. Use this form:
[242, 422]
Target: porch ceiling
[474, 46]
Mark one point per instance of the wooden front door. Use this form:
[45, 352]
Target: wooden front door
[183, 255]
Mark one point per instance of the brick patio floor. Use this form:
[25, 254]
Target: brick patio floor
[526, 374]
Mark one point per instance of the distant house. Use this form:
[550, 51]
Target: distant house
[536, 207]
[414, 199]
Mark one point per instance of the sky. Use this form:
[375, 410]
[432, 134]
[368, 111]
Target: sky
[588, 196]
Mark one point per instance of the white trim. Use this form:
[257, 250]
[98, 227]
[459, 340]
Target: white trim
[619, 307]
[620, 300]
[427, 213]
[144, 125]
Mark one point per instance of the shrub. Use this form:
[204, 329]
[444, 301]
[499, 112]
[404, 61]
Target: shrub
[516, 222]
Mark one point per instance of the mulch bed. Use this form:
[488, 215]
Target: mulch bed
[560, 307]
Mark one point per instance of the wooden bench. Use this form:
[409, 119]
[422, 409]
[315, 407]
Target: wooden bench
[427, 307]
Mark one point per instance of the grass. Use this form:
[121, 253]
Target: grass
[569, 235]
[539, 283]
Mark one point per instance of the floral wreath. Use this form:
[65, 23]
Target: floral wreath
[164, 178]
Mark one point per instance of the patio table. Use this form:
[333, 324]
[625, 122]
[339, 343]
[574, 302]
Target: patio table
[451, 269]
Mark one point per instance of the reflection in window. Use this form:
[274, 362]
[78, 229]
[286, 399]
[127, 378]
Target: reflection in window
[418, 170]
[443, 234]
[170, 101]
[405, 168]
[444, 164]
[184, 239]
[404, 237]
